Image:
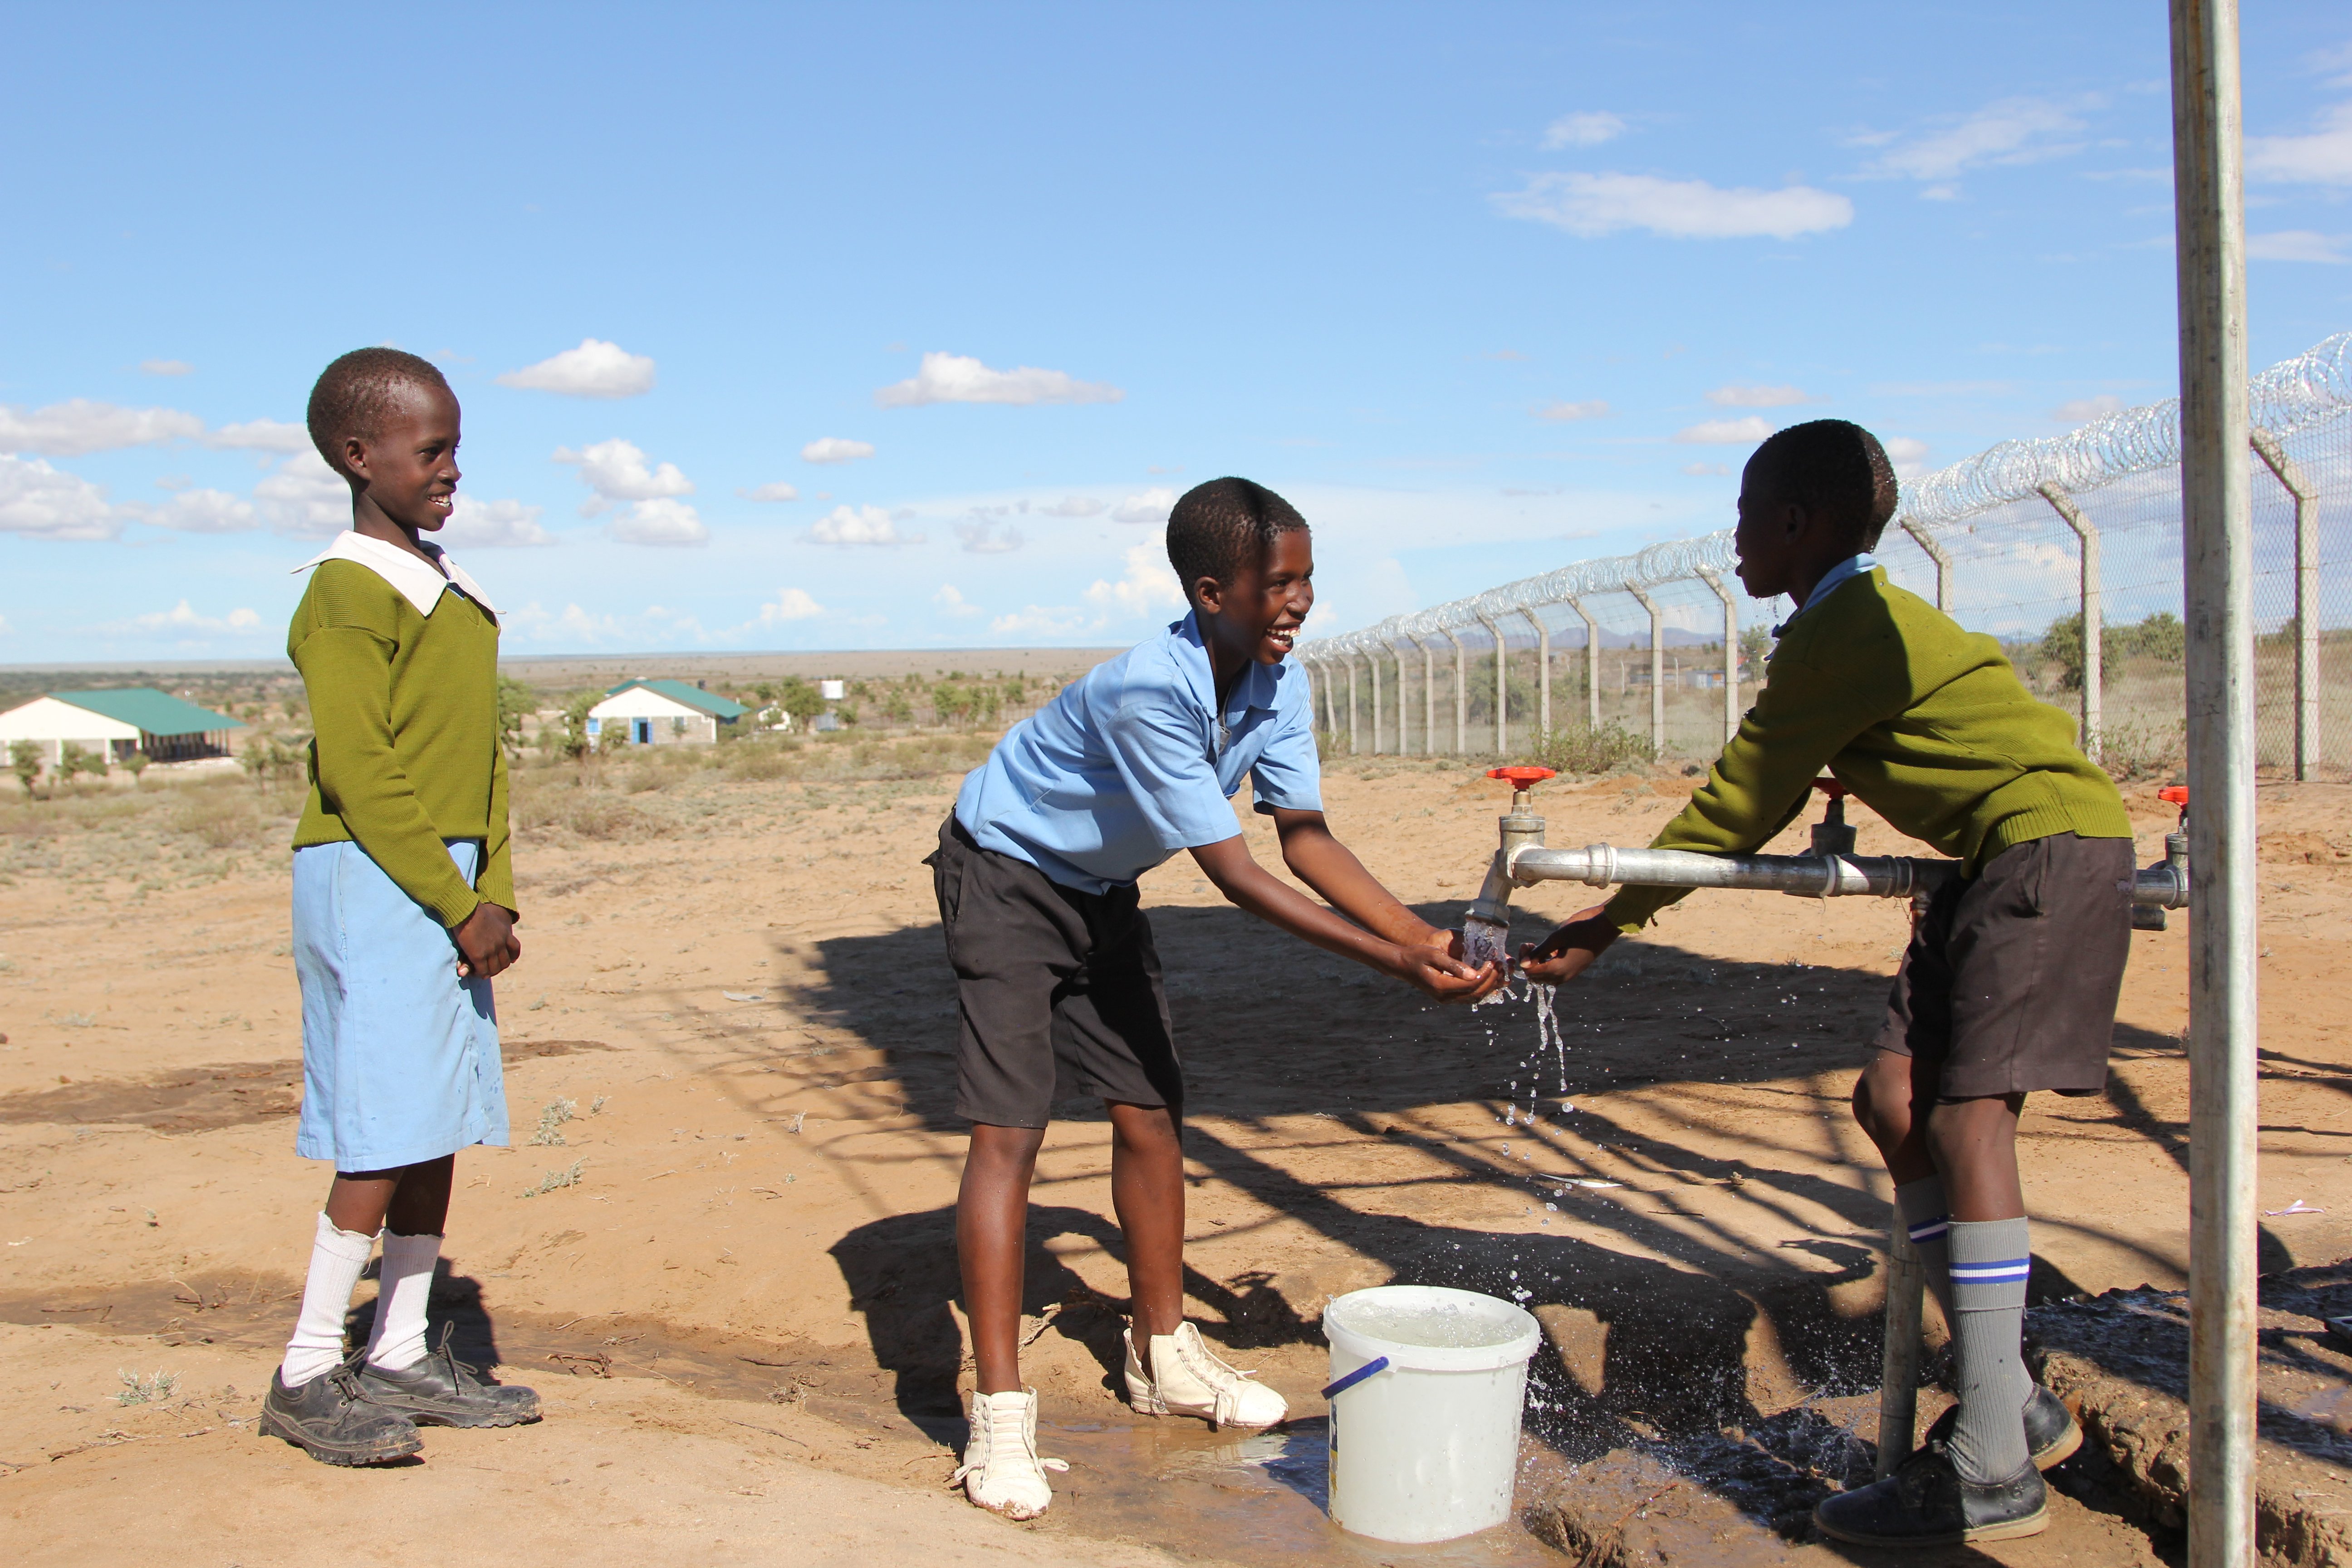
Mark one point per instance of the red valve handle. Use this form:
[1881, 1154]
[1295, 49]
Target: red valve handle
[1833, 788]
[1521, 777]
[2177, 793]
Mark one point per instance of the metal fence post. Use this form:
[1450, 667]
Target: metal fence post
[1940, 556]
[1730, 655]
[2217, 573]
[1353, 749]
[1373, 660]
[1461, 694]
[1307, 673]
[1404, 748]
[1543, 671]
[1502, 689]
[1591, 664]
[2306, 598]
[1428, 695]
[1657, 672]
[2093, 616]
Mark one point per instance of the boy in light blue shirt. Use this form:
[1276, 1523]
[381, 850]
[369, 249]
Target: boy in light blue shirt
[1056, 974]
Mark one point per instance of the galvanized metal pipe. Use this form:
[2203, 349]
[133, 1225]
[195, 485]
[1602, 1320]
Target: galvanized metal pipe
[1428, 695]
[1730, 655]
[1898, 1365]
[1657, 672]
[1404, 748]
[1807, 876]
[1591, 664]
[1461, 693]
[1372, 659]
[1502, 689]
[1543, 671]
[2306, 598]
[2217, 569]
[1940, 556]
[1353, 749]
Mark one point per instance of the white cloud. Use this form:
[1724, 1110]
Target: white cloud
[1908, 454]
[1076, 506]
[1596, 409]
[1726, 432]
[71, 429]
[1151, 506]
[166, 367]
[791, 605]
[951, 600]
[774, 490]
[836, 449]
[1756, 396]
[847, 525]
[1585, 128]
[185, 621]
[492, 526]
[2014, 131]
[2082, 410]
[982, 537]
[42, 502]
[2322, 158]
[261, 435]
[203, 512]
[1147, 584]
[594, 369]
[1591, 206]
[2299, 244]
[1040, 621]
[617, 471]
[306, 497]
[1703, 470]
[659, 521]
[954, 378]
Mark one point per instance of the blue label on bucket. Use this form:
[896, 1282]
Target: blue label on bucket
[1378, 1364]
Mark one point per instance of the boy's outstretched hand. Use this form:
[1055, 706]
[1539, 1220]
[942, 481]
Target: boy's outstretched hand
[1569, 950]
[485, 942]
[1434, 967]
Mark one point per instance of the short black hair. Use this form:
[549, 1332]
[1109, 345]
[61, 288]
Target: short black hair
[356, 393]
[1217, 529]
[1834, 466]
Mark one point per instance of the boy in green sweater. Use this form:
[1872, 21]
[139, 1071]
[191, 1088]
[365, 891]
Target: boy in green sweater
[2011, 979]
[404, 908]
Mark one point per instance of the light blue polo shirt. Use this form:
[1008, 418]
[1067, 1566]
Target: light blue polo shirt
[1127, 766]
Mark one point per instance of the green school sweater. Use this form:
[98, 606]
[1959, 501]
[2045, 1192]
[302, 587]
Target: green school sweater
[405, 710]
[1927, 724]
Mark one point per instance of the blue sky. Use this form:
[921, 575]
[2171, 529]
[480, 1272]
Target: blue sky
[1484, 288]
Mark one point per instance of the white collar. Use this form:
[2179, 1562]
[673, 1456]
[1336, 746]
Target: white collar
[416, 582]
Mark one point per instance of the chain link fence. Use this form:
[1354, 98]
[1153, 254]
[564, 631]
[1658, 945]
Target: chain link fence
[2067, 549]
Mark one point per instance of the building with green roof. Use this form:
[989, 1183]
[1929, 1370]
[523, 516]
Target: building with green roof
[661, 712]
[116, 721]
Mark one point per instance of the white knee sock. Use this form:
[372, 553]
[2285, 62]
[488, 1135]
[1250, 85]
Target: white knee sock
[405, 1283]
[336, 1256]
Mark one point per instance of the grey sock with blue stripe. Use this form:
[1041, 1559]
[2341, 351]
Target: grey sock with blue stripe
[1990, 1262]
[1921, 1204]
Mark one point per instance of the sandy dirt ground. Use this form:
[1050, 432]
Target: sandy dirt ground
[728, 1261]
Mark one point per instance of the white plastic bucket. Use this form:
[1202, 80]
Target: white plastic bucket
[1425, 1444]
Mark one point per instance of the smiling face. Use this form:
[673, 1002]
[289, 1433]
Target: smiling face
[408, 470]
[1254, 618]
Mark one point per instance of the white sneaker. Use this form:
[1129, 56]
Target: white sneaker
[1187, 1379]
[1000, 1470]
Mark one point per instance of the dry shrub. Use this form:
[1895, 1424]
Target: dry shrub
[1581, 749]
[219, 818]
[584, 812]
[2132, 750]
[759, 762]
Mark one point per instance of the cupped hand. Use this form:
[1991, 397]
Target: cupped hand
[1570, 949]
[1434, 966]
[485, 942]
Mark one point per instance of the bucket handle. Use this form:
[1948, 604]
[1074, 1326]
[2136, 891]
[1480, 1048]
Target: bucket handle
[1378, 1364]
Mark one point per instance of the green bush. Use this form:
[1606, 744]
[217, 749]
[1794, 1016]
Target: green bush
[1582, 749]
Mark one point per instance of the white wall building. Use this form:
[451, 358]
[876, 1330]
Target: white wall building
[661, 713]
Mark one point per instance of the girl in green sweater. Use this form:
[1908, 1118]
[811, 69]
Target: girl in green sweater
[403, 909]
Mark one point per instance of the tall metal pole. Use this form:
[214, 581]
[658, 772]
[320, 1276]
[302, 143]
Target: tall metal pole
[1591, 664]
[1730, 655]
[2217, 536]
[1353, 749]
[1398, 655]
[1940, 556]
[1543, 671]
[1461, 694]
[1657, 672]
[1373, 659]
[1428, 695]
[2093, 612]
[2306, 598]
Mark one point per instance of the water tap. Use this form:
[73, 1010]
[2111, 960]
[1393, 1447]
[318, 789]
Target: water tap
[1830, 834]
[2150, 917]
[1487, 924]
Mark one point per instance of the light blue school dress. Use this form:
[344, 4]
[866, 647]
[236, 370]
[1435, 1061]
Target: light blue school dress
[400, 1057]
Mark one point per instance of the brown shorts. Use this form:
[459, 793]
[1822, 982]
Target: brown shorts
[1059, 990]
[2011, 980]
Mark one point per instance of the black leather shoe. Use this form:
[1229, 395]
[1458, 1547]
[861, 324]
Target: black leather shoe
[442, 1390]
[1926, 1503]
[330, 1420]
[2050, 1434]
